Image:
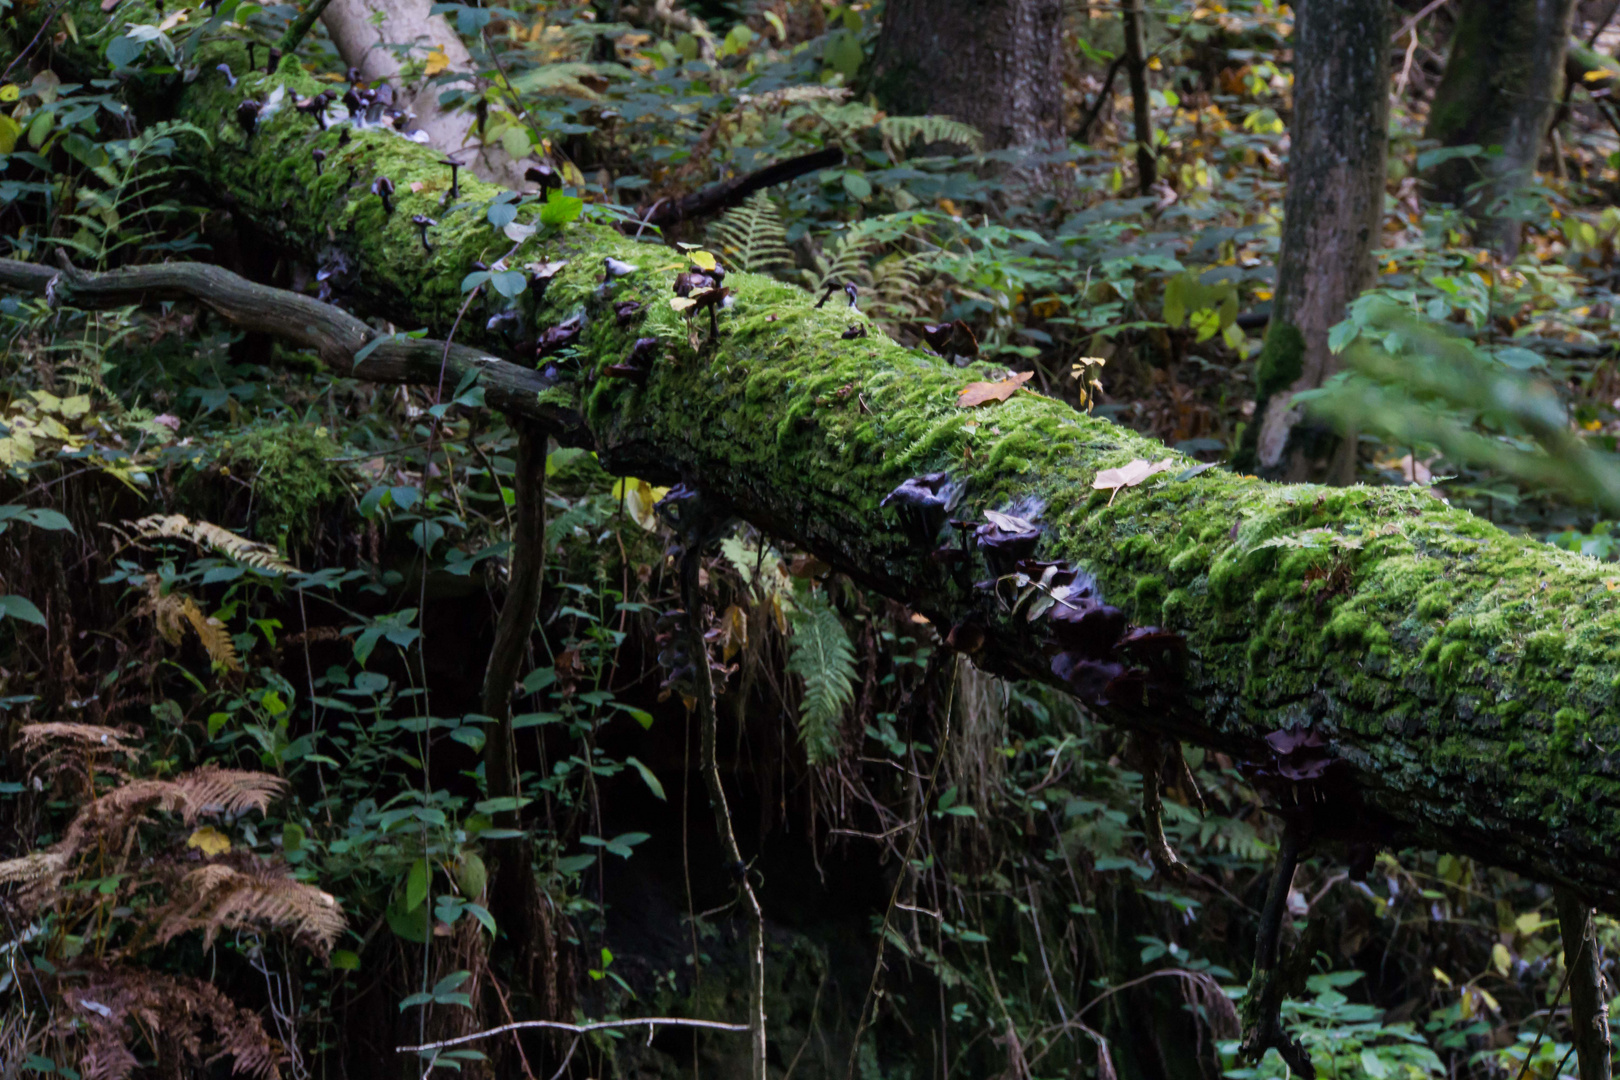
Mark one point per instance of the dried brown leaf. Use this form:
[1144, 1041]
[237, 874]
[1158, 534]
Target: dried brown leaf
[974, 394]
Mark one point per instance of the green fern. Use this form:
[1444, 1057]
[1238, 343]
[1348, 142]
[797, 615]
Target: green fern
[822, 655]
[902, 131]
[752, 237]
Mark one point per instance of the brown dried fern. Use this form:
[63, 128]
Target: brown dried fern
[172, 612]
[220, 539]
[221, 895]
[121, 1007]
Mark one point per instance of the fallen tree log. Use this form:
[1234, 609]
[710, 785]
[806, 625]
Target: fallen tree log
[1423, 676]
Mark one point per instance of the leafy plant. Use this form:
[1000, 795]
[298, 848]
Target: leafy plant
[821, 654]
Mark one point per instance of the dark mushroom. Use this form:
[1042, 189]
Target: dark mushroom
[315, 107]
[353, 75]
[318, 156]
[343, 137]
[560, 336]
[1162, 651]
[272, 62]
[626, 312]
[951, 338]
[353, 102]
[832, 287]
[230, 79]
[851, 291]
[253, 61]
[713, 300]
[1006, 540]
[247, 114]
[856, 331]
[383, 188]
[455, 170]
[644, 351]
[1087, 678]
[688, 282]
[423, 223]
[541, 273]
[544, 175]
[923, 503]
[626, 371]
[1089, 629]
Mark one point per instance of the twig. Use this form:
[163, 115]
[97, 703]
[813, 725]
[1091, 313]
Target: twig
[577, 1029]
[1102, 97]
[728, 193]
[1545, 1024]
[300, 26]
[1410, 25]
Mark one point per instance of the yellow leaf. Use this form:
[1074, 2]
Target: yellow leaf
[209, 840]
[1442, 977]
[703, 259]
[1501, 959]
[638, 498]
[10, 92]
[682, 303]
[437, 61]
[733, 632]
[75, 406]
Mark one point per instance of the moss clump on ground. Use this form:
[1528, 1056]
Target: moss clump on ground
[294, 474]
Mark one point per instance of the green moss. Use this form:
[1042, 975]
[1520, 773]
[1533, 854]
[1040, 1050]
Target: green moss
[293, 476]
[1148, 596]
[1433, 605]
[1544, 648]
[1282, 358]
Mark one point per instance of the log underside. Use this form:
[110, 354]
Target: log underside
[1463, 681]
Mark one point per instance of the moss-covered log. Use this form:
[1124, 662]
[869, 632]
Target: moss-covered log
[1464, 684]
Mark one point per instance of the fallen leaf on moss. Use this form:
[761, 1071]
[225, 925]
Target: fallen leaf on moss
[1129, 475]
[437, 61]
[980, 392]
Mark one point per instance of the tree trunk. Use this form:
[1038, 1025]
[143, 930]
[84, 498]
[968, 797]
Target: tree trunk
[364, 31]
[1500, 88]
[1332, 221]
[1461, 685]
[1141, 104]
[995, 64]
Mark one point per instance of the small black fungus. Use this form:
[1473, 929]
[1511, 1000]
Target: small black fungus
[343, 137]
[1301, 753]
[1006, 540]
[319, 157]
[644, 351]
[544, 175]
[1162, 651]
[353, 102]
[851, 291]
[923, 504]
[1089, 630]
[247, 114]
[273, 60]
[423, 223]
[541, 273]
[856, 331]
[626, 371]
[560, 336]
[626, 312]
[1089, 679]
[455, 171]
[383, 188]
[617, 268]
[951, 338]
[230, 79]
[353, 75]
[688, 282]
[832, 287]
[315, 107]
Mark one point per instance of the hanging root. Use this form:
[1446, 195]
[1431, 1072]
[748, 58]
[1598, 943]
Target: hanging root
[703, 680]
[1151, 753]
[1262, 1007]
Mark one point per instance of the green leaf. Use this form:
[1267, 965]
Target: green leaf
[857, 186]
[416, 885]
[821, 654]
[648, 778]
[20, 607]
[561, 209]
[344, 960]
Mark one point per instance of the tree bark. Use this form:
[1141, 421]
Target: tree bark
[995, 64]
[1464, 683]
[1500, 88]
[1588, 1008]
[364, 32]
[1147, 170]
[1332, 221]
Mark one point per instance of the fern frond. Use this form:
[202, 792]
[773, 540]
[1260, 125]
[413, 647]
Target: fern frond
[208, 535]
[32, 737]
[172, 612]
[35, 866]
[120, 1008]
[902, 131]
[821, 654]
[753, 237]
[220, 896]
